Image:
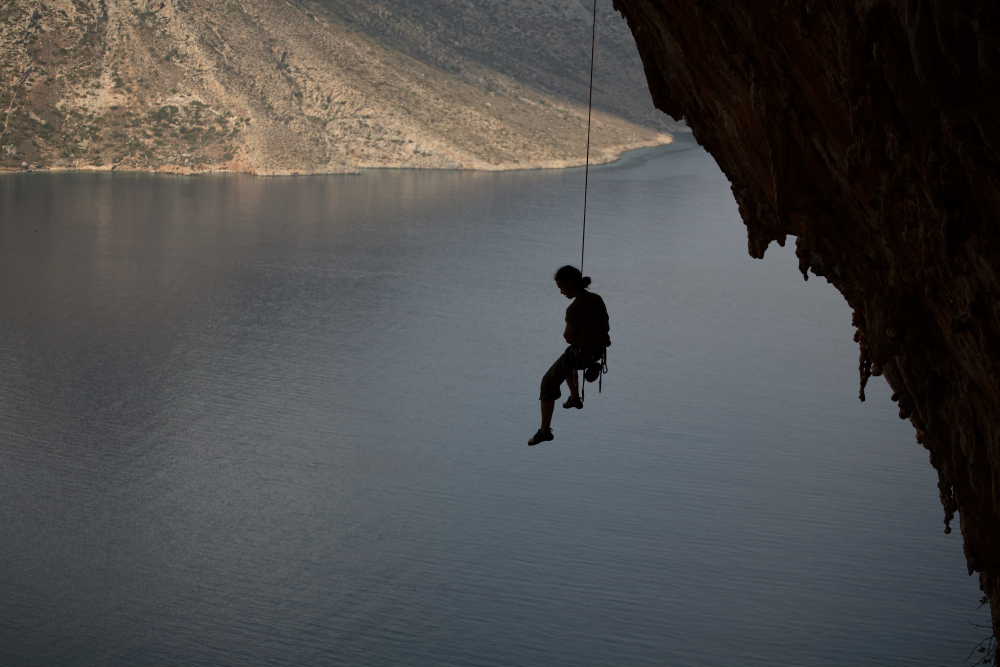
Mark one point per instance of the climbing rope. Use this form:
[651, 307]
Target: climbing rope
[586, 187]
[590, 110]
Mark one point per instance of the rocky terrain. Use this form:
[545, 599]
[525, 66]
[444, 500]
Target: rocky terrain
[269, 86]
[868, 131]
[545, 45]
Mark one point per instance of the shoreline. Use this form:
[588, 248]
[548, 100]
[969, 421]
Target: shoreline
[604, 156]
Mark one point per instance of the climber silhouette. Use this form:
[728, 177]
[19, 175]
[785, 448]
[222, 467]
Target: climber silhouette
[587, 328]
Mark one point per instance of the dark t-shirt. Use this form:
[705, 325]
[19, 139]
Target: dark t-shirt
[588, 319]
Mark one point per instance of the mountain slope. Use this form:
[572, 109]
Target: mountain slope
[545, 45]
[271, 86]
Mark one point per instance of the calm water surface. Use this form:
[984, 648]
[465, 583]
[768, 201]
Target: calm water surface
[282, 422]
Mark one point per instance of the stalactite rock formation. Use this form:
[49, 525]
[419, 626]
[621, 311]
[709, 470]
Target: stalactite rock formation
[869, 131]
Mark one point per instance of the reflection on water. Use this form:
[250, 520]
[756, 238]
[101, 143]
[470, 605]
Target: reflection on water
[281, 421]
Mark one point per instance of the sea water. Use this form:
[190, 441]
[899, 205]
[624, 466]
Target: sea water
[283, 421]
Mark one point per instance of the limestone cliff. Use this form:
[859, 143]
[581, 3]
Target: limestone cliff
[279, 86]
[868, 130]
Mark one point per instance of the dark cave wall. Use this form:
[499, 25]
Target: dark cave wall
[870, 131]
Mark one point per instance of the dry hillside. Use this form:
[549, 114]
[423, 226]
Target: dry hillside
[284, 86]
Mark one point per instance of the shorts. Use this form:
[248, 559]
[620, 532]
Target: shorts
[572, 360]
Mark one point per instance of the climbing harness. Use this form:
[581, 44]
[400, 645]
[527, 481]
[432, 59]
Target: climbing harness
[602, 368]
[586, 187]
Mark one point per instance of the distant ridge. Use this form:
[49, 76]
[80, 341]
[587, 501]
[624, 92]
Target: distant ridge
[296, 86]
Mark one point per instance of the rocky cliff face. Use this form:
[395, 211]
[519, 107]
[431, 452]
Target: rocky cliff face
[269, 86]
[868, 131]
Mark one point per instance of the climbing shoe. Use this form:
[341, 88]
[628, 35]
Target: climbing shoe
[542, 435]
[573, 403]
